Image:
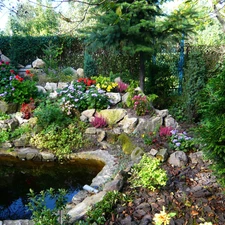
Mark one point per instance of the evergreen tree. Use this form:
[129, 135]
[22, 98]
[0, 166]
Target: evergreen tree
[137, 27]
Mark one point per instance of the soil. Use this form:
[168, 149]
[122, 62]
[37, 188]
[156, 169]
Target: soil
[192, 192]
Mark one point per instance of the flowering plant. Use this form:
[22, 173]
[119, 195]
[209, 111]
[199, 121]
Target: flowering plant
[87, 81]
[14, 88]
[140, 104]
[105, 83]
[122, 87]
[181, 141]
[27, 109]
[163, 217]
[99, 121]
[76, 98]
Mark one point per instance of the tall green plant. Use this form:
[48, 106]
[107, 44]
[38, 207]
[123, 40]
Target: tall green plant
[195, 78]
[90, 67]
[212, 129]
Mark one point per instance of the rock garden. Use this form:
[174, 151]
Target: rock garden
[154, 173]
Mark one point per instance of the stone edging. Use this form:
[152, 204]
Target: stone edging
[83, 200]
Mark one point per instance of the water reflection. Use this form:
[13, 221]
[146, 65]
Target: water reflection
[17, 177]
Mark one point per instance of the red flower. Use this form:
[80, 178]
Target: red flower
[12, 71]
[19, 78]
[27, 72]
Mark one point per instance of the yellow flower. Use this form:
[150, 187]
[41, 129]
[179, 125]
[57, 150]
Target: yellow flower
[162, 218]
[98, 86]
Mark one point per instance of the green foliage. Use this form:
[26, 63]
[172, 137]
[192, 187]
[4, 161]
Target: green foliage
[194, 81]
[90, 68]
[103, 209]
[19, 131]
[132, 92]
[34, 19]
[148, 174]
[4, 116]
[43, 215]
[4, 136]
[212, 128]
[61, 140]
[49, 112]
[181, 141]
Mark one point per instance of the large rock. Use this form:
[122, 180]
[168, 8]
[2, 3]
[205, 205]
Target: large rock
[171, 122]
[128, 124]
[114, 98]
[4, 58]
[51, 86]
[113, 116]
[178, 158]
[149, 124]
[38, 63]
[80, 72]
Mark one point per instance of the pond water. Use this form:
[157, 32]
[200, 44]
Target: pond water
[17, 177]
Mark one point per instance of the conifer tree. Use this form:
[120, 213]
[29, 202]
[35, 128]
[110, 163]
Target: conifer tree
[135, 26]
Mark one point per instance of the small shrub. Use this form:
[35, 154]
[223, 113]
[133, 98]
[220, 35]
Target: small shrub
[90, 68]
[165, 131]
[140, 104]
[148, 174]
[61, 140]
[50, 112]
[180, 141]
[99, 121]
[122, 87]
[104, 209]
[4, 136]
[27, 109]
[4, 116]
[43, 215]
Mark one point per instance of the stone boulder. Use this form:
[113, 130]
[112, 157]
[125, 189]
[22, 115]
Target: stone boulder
[113, 116]
[80, 72]
[178, 158]
[38, 63]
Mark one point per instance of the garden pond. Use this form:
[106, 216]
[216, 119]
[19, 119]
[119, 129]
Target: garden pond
[17, 177]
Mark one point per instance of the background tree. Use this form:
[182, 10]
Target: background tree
[137, 27]
[34, 19]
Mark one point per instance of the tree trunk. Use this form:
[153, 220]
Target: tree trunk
[142, 71]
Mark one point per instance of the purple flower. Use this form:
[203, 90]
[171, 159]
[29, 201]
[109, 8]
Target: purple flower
[94, 95]
[173, 132]
[76, 100]
[178, 144]
[174, 140]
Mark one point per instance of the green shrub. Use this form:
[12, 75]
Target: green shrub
[43, 215]
[49, 112]
[4, 136]
[195, 78]
[90, 68]
[104, 209]
[212, 128]
[148, 174]
[61, 140]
